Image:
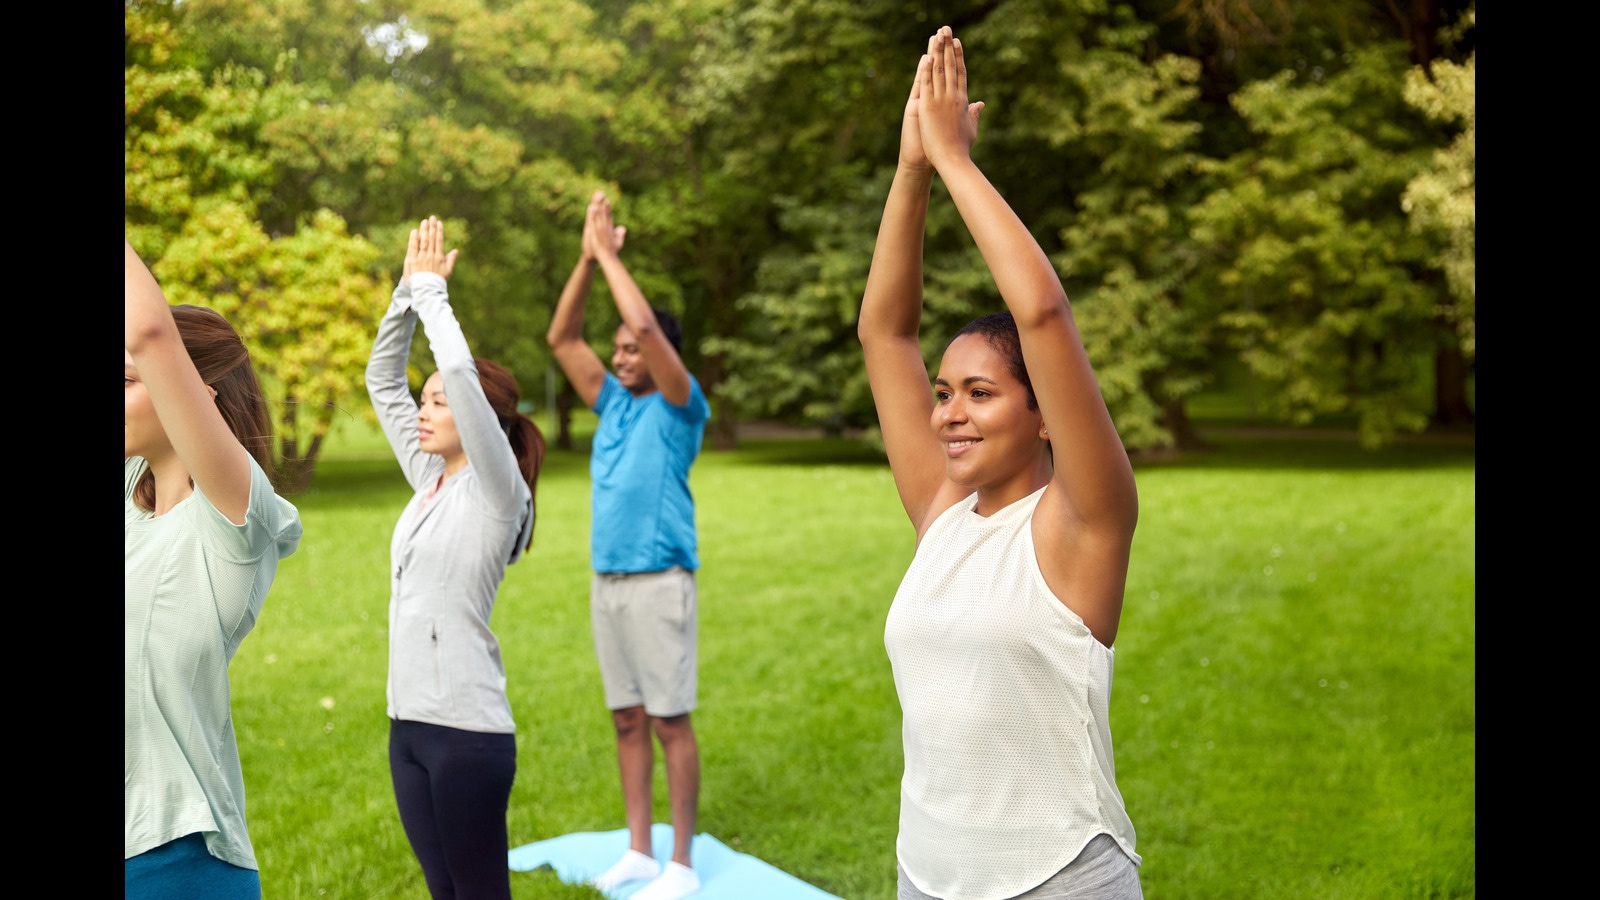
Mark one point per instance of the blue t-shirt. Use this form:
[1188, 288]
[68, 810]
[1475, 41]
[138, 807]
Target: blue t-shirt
[643, 514]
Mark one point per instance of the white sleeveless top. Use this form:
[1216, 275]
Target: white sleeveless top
[1004, 693]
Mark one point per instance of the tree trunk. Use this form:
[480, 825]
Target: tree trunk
[1184, 436]
[1450, 407]
[724, 426]
[564, 398]
[294, 473]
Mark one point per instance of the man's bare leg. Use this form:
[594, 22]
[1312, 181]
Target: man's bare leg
[635, 760]
[683, 780]
[683, 787]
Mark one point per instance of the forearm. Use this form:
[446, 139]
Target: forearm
[482, 438]
[631, 303]
[566, 324]
[146, 319]
[666, 365]
[891, 305]
[387, 387]
[1025, 276]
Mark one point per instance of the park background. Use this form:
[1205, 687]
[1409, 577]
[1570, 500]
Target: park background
[1263, 211]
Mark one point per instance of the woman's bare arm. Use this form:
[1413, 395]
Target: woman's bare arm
[891, 313]
[185, 405]
[1088, 515]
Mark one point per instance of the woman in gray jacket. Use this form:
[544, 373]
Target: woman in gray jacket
[473, 461]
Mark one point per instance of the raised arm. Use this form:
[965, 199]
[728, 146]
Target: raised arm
[891, 312]
[666, 366]
[184, 404]
[386, 380]
[482, 437]
[576, 358]
[1092, 505]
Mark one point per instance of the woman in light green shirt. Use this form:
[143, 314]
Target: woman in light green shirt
[203, 531]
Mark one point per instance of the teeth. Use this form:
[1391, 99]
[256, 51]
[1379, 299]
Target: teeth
[962, 443]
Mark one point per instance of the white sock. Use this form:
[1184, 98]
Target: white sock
[677, 881]
[631, 867]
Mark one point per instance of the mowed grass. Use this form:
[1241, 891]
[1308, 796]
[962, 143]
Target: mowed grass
[1293, 712]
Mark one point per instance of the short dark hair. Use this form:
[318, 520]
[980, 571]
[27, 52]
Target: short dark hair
[670, 327]
[1000, 330]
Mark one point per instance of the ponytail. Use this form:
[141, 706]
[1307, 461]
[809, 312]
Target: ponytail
[527, 442]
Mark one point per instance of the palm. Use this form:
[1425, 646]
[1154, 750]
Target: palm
[911, 152]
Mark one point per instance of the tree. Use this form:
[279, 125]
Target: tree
[1332, 295]
[305, 305]
[1441, 201]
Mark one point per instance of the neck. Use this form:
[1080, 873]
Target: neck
[454, 464]
[172, 482]
[997, 496]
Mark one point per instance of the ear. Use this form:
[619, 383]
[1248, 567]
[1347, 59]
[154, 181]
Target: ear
[1044, 433]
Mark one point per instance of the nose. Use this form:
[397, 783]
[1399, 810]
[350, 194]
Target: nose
[954, 410]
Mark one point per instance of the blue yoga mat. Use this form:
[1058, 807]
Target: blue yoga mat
[725, 874]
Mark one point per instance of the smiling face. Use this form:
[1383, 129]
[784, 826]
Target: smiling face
[628, 363]
[981, 415]
[436, 425]
[142, 434]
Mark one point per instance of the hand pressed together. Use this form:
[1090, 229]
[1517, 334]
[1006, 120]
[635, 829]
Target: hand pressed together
[601, 237]
[947, 124]
[425, 251]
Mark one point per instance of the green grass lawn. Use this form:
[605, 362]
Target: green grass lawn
[1293, 713]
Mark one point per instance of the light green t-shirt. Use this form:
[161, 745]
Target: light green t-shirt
[194, 584]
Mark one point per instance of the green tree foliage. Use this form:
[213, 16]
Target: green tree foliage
[305, 305]
[1215, 179]
[1442, 199]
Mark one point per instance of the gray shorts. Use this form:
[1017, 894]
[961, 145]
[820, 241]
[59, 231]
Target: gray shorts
[645, 638]
[1100, 872]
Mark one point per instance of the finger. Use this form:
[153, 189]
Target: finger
[450, 262]
[916, 80]
[938, 64]
[622, 235]
[412, 244]
[972, 110]
[961, 68]
[947, 46]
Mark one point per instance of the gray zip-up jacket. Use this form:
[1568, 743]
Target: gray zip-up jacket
[448, 556]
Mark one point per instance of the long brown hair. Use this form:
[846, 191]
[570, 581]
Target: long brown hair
[223, 362]
[527, 442]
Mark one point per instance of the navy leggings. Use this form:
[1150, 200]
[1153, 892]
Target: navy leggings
[452, 787]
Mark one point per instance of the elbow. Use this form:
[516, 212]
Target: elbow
[1045, 312]
[151, 337]
[458, 368]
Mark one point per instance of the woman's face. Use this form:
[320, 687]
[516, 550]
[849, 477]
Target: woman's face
[981, 416]
[436, 426]
[142, 434]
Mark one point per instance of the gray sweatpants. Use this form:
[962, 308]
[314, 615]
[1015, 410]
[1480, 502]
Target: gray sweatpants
[1101, 872]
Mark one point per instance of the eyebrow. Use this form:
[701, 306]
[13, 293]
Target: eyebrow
[969, 380]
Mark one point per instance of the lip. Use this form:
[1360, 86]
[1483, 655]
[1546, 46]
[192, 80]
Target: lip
[954, 447]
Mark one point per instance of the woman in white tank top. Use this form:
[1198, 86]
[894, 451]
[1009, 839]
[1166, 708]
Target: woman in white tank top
[1024, 506]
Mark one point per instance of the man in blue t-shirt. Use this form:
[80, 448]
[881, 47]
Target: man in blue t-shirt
[642, 546]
